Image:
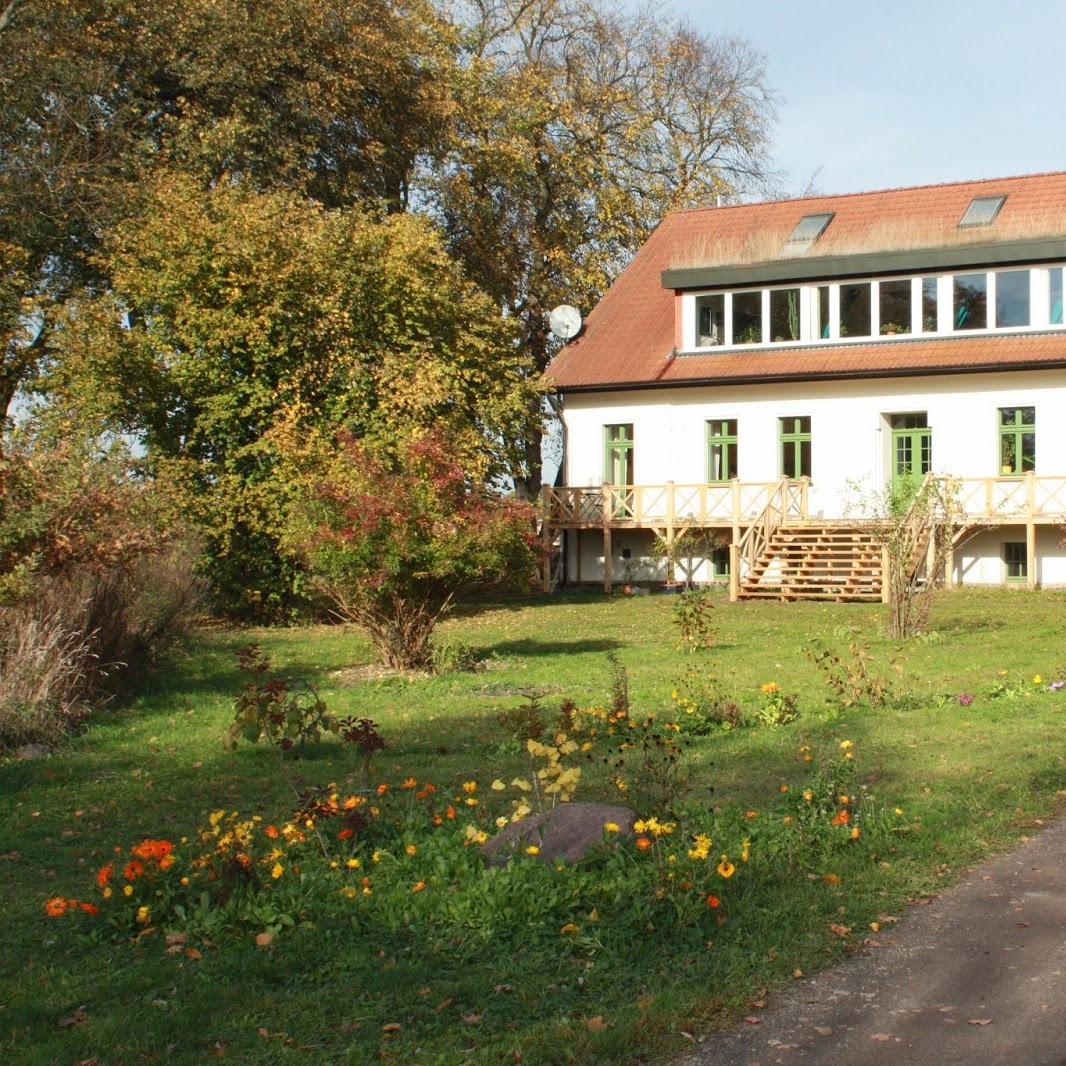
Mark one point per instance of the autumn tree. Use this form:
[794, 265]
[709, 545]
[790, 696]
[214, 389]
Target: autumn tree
[577, 129]
[338, 101]
[393, 535]
[236, 315]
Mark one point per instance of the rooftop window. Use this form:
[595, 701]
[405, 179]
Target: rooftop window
[807, 231]
[982, 211]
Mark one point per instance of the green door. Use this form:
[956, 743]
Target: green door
[912, 455]
[618, 466]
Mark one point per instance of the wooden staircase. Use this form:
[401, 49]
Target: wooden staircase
[812, 560]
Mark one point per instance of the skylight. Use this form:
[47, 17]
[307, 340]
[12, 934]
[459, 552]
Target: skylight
[982, 211]
[807, 231]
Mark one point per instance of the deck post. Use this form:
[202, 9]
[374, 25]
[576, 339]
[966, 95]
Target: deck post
[734, 572]
[1030, 530]
[886, 576]
[577, 556]
[546, 538]
[607, 511]
[736, 510]
[930, 557]
[671, 511]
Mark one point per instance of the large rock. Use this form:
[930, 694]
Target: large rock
[566, 832]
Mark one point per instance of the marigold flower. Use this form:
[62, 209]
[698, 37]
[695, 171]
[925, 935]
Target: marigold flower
[501, 822]
[611, 827]
[352, 802]
[349, 892]
[725, 868]
[382, 789]
[532, 850]
[277, 870]
[840, 818]
[808, 795]
[134, 869]
[344, 834]
[470, 786]
[127, 890]
[643, 843]
[271, 831]
[56, 907]
[712, 901]
[143, 914]
[103, 875]
[899, 810]
[107, 890]
[856, 832]
[353, 864]
[438, 820]
[745, 851]
[411, 849]
[89, 908]
[782, 788]
[184, 881]
[749, 815]
[419, 886]
[770, 686]
[450, 812]
[471, 801]
[844, 800]
[409, 782]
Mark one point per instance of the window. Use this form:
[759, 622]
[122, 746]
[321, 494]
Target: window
[807, 231]
[1017, 440]
[710, 320]
[929, 320]
[895, 305]
[970, 301]
[1012, 298]
[982, 211]
[747, 317]
[1055, 296]
[784, 314]
[1015, 561]
[720, 563]
[795, 436]
[721, 449]
[855, 309]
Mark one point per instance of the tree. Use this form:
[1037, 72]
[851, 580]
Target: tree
[336, 100]
[577, 129]
[393, 539]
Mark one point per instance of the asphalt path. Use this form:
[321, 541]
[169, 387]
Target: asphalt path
[977, 976]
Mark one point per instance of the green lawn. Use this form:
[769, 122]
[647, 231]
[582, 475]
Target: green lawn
[970, 779]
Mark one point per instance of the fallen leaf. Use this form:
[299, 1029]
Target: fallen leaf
[980, 1021]
[471, 1019]
[945, 1010]
[444, 1004]
[752, 1020]
[758, 1004]
[875, 927]
[76, 1017]
[882, 1037]
[264, 940]
[831, 879]
[192, 953]
[797, 972]
[839, 930]
[503, 988]
[823, 1030]
[595, 1024]
[391, 1027]
[262, 1031]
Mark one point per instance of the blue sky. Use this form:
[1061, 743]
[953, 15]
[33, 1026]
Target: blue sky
[906, 92]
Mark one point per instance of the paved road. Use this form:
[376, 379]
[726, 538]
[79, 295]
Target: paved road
[978, 977]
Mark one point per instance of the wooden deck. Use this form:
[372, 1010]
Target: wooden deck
[751, 510]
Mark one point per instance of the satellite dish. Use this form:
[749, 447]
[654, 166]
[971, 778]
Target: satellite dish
[565, 322]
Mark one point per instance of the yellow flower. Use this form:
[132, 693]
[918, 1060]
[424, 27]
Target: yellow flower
[521, 784]
[1037, 679]
[277, 871]
[725, 868]
[470, 786]
[569, 930]
[846, 745]
[532, 850]
[745, 851]
[501, 822]
[497, 785]
[856, 832]
[107, 892]
[349, 891]
[353, 864]
[127, 890]
[770, 686]
[782, 789]
[899, 810]
[143, 914]
[808, 795]
[376, 857]
[411, 849]
[419, 886]
[611, 827]
[471, 801]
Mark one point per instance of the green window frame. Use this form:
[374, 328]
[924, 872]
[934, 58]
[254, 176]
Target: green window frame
[794, 434]
[721, 449]
[1015, 561]
[618, 454]
[719, 563]
[1017, 440]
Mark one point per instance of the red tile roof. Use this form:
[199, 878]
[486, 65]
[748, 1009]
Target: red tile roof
[629, 337]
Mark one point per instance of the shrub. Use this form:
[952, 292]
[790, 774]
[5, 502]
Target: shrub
[394, 540]
[692, 617]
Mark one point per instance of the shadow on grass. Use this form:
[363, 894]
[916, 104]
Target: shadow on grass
[533, 647]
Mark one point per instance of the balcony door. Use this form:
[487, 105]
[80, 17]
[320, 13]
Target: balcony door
[912, 454]
[618, 467]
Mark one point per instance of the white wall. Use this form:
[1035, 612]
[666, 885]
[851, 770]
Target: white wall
[850, 435]
[979, 560]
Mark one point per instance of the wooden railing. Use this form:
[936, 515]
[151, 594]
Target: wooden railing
[1017, 497]
[787, 500]
[734, 503]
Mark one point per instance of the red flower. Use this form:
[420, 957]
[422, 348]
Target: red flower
[133, 870]
[344, 834]
[89, 908]
[56, 907]
[103, 875]
[712, 902]
[840, 818]
[271, 831]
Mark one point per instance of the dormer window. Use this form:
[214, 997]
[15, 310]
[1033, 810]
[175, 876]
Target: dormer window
[807, 231]
[982, 211]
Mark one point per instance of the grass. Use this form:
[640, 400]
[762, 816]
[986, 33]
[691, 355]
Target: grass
[971, 779]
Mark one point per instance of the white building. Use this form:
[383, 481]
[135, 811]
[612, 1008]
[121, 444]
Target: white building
[773, 365]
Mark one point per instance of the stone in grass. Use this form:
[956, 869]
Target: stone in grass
[566, 832]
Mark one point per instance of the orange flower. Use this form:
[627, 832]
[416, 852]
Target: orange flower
[751, 814]
[272, 832]
[438, 820]
[382, 789]
[166, 862]
[856, 832]
[419, 886]
[152, 849]
[133, 870]
[89, 908]
[103, 875]
[643, 843]
[450, 812]
[352, 801]
[56, 907]
[712, 902]
[409, 782]
[344, 834]
[840, 818]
